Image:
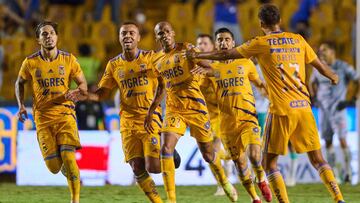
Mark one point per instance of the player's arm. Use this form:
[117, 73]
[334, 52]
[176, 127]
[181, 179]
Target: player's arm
[214, 55]
[325, 71]
[203, 68]
[159, 95]
[19, 93]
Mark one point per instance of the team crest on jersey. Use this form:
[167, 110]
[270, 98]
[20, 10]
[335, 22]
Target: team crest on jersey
[38, 73]
[142, 68]
[207, 125]
[61, 70]
[176, 59]
[121, 74]
[216, 74]
[154, 141]
[240, 70]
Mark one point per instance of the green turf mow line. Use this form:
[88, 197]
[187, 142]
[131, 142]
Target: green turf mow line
[309, 193]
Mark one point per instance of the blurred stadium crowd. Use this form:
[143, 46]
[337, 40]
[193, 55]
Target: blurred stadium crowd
[89, 29]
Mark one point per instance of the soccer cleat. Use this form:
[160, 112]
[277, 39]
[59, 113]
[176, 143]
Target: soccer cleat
[290, 182]
[219, 192]
[177, 159]
[63, 171]
[230, 192]
[256, 201]
[265, 191]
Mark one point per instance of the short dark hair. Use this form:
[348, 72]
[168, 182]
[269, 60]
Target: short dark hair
[224, 30]
[130, 23]
[269, 14]
[42, 24]
[330, 44]
[202, 35]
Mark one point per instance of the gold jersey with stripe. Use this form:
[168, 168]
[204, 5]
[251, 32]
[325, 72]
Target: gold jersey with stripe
[282, 57]
[233, 89]
[207, 88]
[137, 84]
[50, 82]
[182, 87]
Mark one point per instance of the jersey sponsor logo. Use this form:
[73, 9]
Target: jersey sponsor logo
[132, 93]
[226, 93]
[61, 70]
[282, 41]
[135, 82]
[299, 104]
[50, 71]
[46, 92]
[230, 82]
[173, 72]
[51, 82]
[38, 73]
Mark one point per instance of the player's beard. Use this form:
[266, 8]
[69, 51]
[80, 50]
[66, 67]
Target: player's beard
[49, 48]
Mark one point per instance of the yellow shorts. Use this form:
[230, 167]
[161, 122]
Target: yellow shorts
[140, 144]
[198, 123]
[298, 126]
[237, 135]
[61, 133]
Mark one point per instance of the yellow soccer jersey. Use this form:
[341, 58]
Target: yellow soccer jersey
[233, 88]
[182, 87]
[136, 82]
[50, 82]
[282, 57]
[207, 88]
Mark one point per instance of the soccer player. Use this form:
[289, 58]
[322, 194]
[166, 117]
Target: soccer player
[282, 57]
[131, 71]
[185, 106]
[204, 43]
[332, 102]
[50, 71]
[239, 127]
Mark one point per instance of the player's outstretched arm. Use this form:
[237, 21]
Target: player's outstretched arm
[325, 71]
[203, 68]
[19, 92]
[159, 95]
[214, 55]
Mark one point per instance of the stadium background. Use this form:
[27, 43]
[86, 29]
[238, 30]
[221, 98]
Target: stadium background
[80, 26]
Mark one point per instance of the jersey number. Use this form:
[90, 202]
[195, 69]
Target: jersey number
[295, 75]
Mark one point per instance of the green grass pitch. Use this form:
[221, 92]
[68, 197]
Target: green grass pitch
[302, 193]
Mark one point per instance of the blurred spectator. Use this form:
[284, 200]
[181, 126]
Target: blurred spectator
[226, 16]
[1, 64]
[69, 2]
[89, 65]
[115, 9]
[300, 20]
[90, 114]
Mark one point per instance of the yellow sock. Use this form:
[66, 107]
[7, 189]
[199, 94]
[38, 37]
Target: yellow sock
[278, 186]
[246, 180]
[146, 184]
[168, 172]
[259, 172]
[223, 155]
[328, 178]
[73, 174]
[218, 171]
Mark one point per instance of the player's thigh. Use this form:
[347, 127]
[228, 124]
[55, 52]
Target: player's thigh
[132, 145]
[233, 144]
[67, 133]
[305, 137]
[174, 123]
[199, 125]
[47, 142]
[276, 134]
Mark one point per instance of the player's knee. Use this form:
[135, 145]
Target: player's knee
[254, 156]
[153, 168]
[166, 150]
[137, 166]
[54, 165]
[316, 158]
